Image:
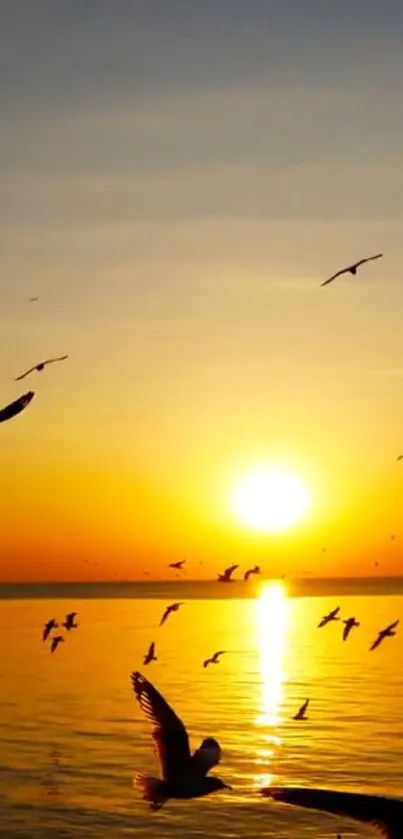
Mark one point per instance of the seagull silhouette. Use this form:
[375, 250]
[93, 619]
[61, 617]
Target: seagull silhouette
[226, 576]
[33, 299]
[383, 813]
[349, 624]
[351, 269]
[255, 570]
[16, 407]
[388, 632]
[172, 608]
[69, 622]
[301, 714]
[56, 640]
[150, 655]
[178, 565]
[49, 625]
[183, 775]
[332, 616]
[39, 367]
[213, 659]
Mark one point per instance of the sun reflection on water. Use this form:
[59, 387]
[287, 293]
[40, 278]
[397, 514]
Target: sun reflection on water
[272, 609]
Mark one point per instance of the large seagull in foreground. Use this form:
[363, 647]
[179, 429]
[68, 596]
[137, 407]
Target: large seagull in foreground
[352, 269]
[184, 775]
[383, 813]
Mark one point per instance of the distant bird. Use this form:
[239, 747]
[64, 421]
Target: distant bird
[150, 655]
[172, 608]
[49, 625]
[332, 616]
[183, 775]
[178, 565]
[213, 659]
[41, 366]
[352, 269]
[383, 813]
[255, 570]
[56, 640]
[226, 576]
[69, 622]
[301, 714]
[16, 407]
[33, 299]
[349, 624]
[388, 632]
[400, 457]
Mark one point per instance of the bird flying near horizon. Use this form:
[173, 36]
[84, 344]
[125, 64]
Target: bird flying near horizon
[214, 658]
[384, 814]
[351, 269]
[255, 570]
[172, 608]
[349, 624]
[49, 625]
[332, 616]
[15, 408]
[39, 367]
[69, 621]
[301, 714]
[184, 775]
[226, 577]
[388, 632]
[177, 565]
[150, 655]
[56, 640]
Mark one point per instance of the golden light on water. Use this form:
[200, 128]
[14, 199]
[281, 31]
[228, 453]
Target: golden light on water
[272, 611]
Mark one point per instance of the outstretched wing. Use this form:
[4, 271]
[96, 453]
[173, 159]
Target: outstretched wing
[206, 756]
[333, 277]
[165, 615]
[170, 737]
[392, 626]
[27, 372]
[369, 258]
[52, 360]
[16, 407]
[384, 813]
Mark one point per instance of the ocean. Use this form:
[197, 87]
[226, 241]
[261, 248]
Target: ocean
[72, 736]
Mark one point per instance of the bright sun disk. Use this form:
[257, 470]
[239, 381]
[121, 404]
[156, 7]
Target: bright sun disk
[270, 500]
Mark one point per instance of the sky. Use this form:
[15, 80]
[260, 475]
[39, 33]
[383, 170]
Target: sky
[177, 179]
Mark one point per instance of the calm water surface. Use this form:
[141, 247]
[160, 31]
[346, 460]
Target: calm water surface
[72, 737]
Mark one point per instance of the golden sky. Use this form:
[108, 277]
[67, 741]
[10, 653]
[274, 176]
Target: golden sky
[177, 181]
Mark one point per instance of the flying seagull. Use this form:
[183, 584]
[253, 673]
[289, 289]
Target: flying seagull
[49, 625]
[226, 576]
[351, 269]
[69, 622]
[178, 565]
[56, 640]
[400, 457]
[332, 616]
[301, 714]
[150, 655]
[383, 813]
[33, 299]
[255, 570]
[213, 659]
[16, 407]
[388, 632]
[349, 624]
[172, 608]
[41, 366]
[183, 775]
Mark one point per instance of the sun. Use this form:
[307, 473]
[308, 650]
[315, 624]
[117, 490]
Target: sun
[270, 500]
